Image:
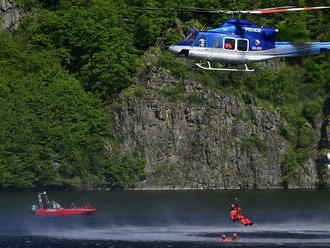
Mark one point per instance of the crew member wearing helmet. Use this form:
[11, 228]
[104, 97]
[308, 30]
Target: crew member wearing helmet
[246, 221]
[233, 212]
[236, 216]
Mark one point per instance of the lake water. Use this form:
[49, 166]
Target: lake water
[169, 219]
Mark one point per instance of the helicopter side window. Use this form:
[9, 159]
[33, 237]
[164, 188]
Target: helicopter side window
[229, 44]
[201, 42]
[242, 45]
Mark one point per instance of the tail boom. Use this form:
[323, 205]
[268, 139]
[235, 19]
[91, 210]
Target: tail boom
[291, 49]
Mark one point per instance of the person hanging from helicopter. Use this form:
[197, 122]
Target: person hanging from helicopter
[246, 221]
[233, 212]
[236, 216]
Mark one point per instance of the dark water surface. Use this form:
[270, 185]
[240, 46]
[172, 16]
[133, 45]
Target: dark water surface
[169, 219]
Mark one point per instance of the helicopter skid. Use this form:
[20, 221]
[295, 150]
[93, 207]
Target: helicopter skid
[209, 68]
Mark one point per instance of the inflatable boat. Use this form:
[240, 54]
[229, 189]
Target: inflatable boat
[52, 208]
[63, 211]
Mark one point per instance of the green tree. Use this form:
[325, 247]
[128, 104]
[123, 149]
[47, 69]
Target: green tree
[124, 171]
[90, 39]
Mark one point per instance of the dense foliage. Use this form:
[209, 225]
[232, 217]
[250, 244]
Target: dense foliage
[70, 58]
[52, 132]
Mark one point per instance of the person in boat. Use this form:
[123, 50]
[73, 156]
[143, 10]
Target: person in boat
[88, 205]
[55, 204]
[48, 204]
[73, 205]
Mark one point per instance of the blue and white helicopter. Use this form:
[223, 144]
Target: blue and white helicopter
[238, 41]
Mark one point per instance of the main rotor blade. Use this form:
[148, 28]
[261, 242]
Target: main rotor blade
[276, 10]
[283, 7]
[257, 11]
[188, 9]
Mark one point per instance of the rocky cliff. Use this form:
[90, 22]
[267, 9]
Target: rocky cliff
[322, 124]
[192, 137]
[10, 15]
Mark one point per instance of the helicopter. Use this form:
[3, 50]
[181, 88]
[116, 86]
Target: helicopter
[239, 41]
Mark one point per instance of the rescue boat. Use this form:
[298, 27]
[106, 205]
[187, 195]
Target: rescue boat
[52, 208]
[64, 211]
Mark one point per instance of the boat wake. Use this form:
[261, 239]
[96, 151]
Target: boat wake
[85, 229]
[180, 236]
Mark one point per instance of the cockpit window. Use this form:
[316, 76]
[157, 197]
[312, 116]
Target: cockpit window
[191, 37]
[201, 42]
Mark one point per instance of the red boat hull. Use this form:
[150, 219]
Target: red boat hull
[64, 211]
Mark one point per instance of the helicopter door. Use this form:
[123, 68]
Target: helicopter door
[216, 43]
[242, 45]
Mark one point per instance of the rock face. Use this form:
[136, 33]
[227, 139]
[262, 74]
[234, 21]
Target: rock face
[322, 124]
[194, 138]
[10, 15]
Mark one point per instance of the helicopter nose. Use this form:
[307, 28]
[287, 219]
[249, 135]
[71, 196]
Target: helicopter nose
[174, 49]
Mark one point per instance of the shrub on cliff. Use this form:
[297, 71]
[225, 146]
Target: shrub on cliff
[312, 108]
[173, 65]
[290, 169]
[254, 141]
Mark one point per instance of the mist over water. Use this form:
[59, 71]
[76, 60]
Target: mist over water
[282, 218]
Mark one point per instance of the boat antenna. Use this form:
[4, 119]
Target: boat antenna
[40, 201]
[236, 200]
